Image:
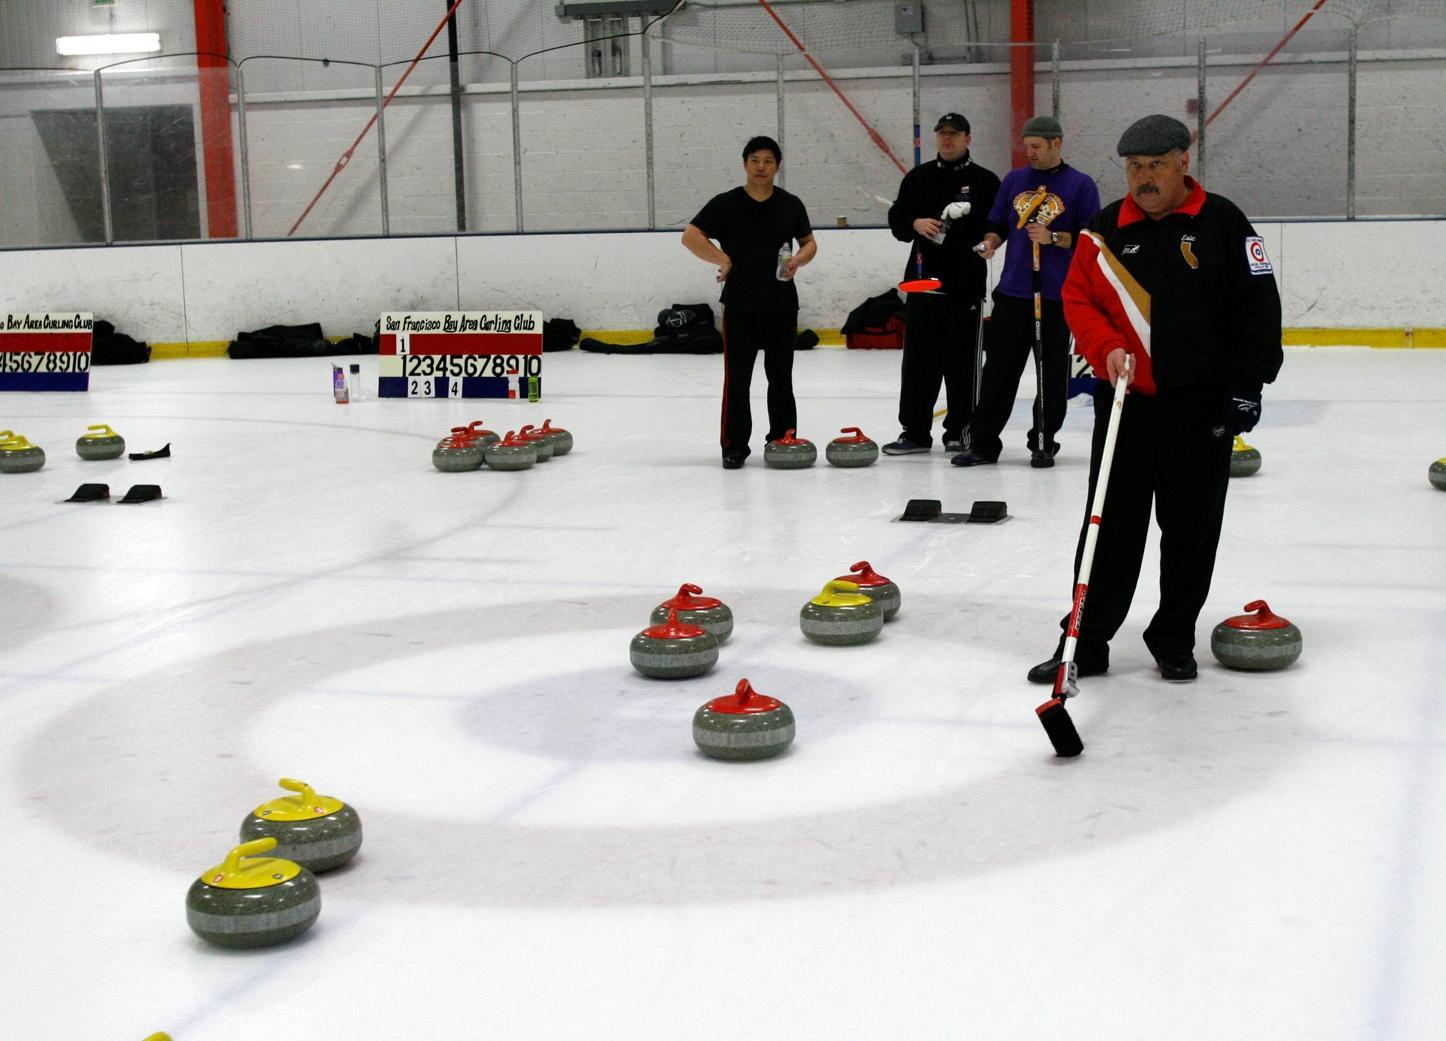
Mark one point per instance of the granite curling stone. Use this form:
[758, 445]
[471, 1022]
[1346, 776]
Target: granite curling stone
[743, 725]
[511, 453]
[1257, 642]
[1437, 474]
[481, 434]
[19, 456]
[101, 443]
[561, 439]
[876, 587]
[316, 831]
[251, 900]
[707, 611]
[841, 616]
[540, 442]
[673, 650]
[457, 453]
[1244, 460]
[789, 453]
[854, 450]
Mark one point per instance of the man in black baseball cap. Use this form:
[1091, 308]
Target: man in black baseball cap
[954, 121]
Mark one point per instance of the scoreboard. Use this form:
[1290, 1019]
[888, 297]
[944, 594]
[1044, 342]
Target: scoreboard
[460, 354]
[45, 351]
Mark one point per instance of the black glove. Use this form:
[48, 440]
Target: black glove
[1242, 412]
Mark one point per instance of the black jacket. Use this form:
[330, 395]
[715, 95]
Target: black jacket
[924, 192]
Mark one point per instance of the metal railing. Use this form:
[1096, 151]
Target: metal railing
[644, 152]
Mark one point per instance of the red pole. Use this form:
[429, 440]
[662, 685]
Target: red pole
[1263, 63]
[1021, 73]
[874, 135]
[215, 96]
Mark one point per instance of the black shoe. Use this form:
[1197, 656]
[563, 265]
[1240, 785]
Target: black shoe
[953, 445]
[1178, 668]
[903, 446]
[1090, 659]
[970, 459]
[733, 462]
[1041, 460]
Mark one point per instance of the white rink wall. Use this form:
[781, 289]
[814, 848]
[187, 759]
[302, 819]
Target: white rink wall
[1361, 275]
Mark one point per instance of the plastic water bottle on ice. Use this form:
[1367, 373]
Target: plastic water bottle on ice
[338, 385]
[785, 254]
[354, 384]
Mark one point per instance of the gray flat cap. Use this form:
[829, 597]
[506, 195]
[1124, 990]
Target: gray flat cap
[1042, 126]
[1154, 135]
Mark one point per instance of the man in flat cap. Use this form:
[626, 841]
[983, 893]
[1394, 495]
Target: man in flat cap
[1171, 290]
[940, 212]
[1039, 211]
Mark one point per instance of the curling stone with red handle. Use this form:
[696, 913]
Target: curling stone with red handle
[855, 450]
[743, 725]
[1258, 642]
[252, 900]
[316, 831]
[457, 453]
[695, 609]
[561, 439]
[673, 650]
[1436, 474]
[1244, 460]
[841, 616]
[481, 434]
[789, 453]
[540, 442]
[876, 587]
[511, 453]
[19, 456]
[101, 442]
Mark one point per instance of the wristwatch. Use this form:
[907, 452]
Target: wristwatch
[1054, 238]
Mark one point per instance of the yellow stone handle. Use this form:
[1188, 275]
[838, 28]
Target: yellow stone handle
[840, 586]
[254, 848]
[1240, 445]
[307, 794]
[101, 430]
[162, 1036]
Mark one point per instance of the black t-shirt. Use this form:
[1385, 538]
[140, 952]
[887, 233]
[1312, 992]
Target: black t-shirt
[751, 233]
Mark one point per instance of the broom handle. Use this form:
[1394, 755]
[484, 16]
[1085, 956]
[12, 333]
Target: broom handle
[1097, 509]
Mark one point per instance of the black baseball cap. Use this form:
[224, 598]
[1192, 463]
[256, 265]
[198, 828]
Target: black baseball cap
[953, 120]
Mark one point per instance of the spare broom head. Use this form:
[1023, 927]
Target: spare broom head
[921, 285]
[1060, 728]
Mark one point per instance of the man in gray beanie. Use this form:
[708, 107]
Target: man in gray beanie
[1171, 290]
[1039, 210]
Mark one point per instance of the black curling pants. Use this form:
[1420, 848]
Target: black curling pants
[940, 346]
[1009, 346]
[1166, 454]
[745, 333]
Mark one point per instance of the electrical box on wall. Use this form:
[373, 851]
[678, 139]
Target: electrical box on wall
[908, 19]
[604, 8]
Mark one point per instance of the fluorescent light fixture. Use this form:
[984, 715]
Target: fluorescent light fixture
[109, 43]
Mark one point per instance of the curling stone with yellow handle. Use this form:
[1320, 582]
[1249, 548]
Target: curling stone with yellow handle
[317, 831]
[856, 449]
[19, 456]
[1436, 474]
[1244, 460]
[841, 616]
[695, 609]
[101, 442]
[252, 900]
[743, 725]
[561, 439]
[790, 453]
[876, 587]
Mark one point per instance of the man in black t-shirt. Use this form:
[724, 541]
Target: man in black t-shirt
[755, 227]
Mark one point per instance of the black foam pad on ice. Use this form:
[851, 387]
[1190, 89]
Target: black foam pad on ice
[142, 493]
[985, 511]
[90, 493]
[921, 510]
[159, 453]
